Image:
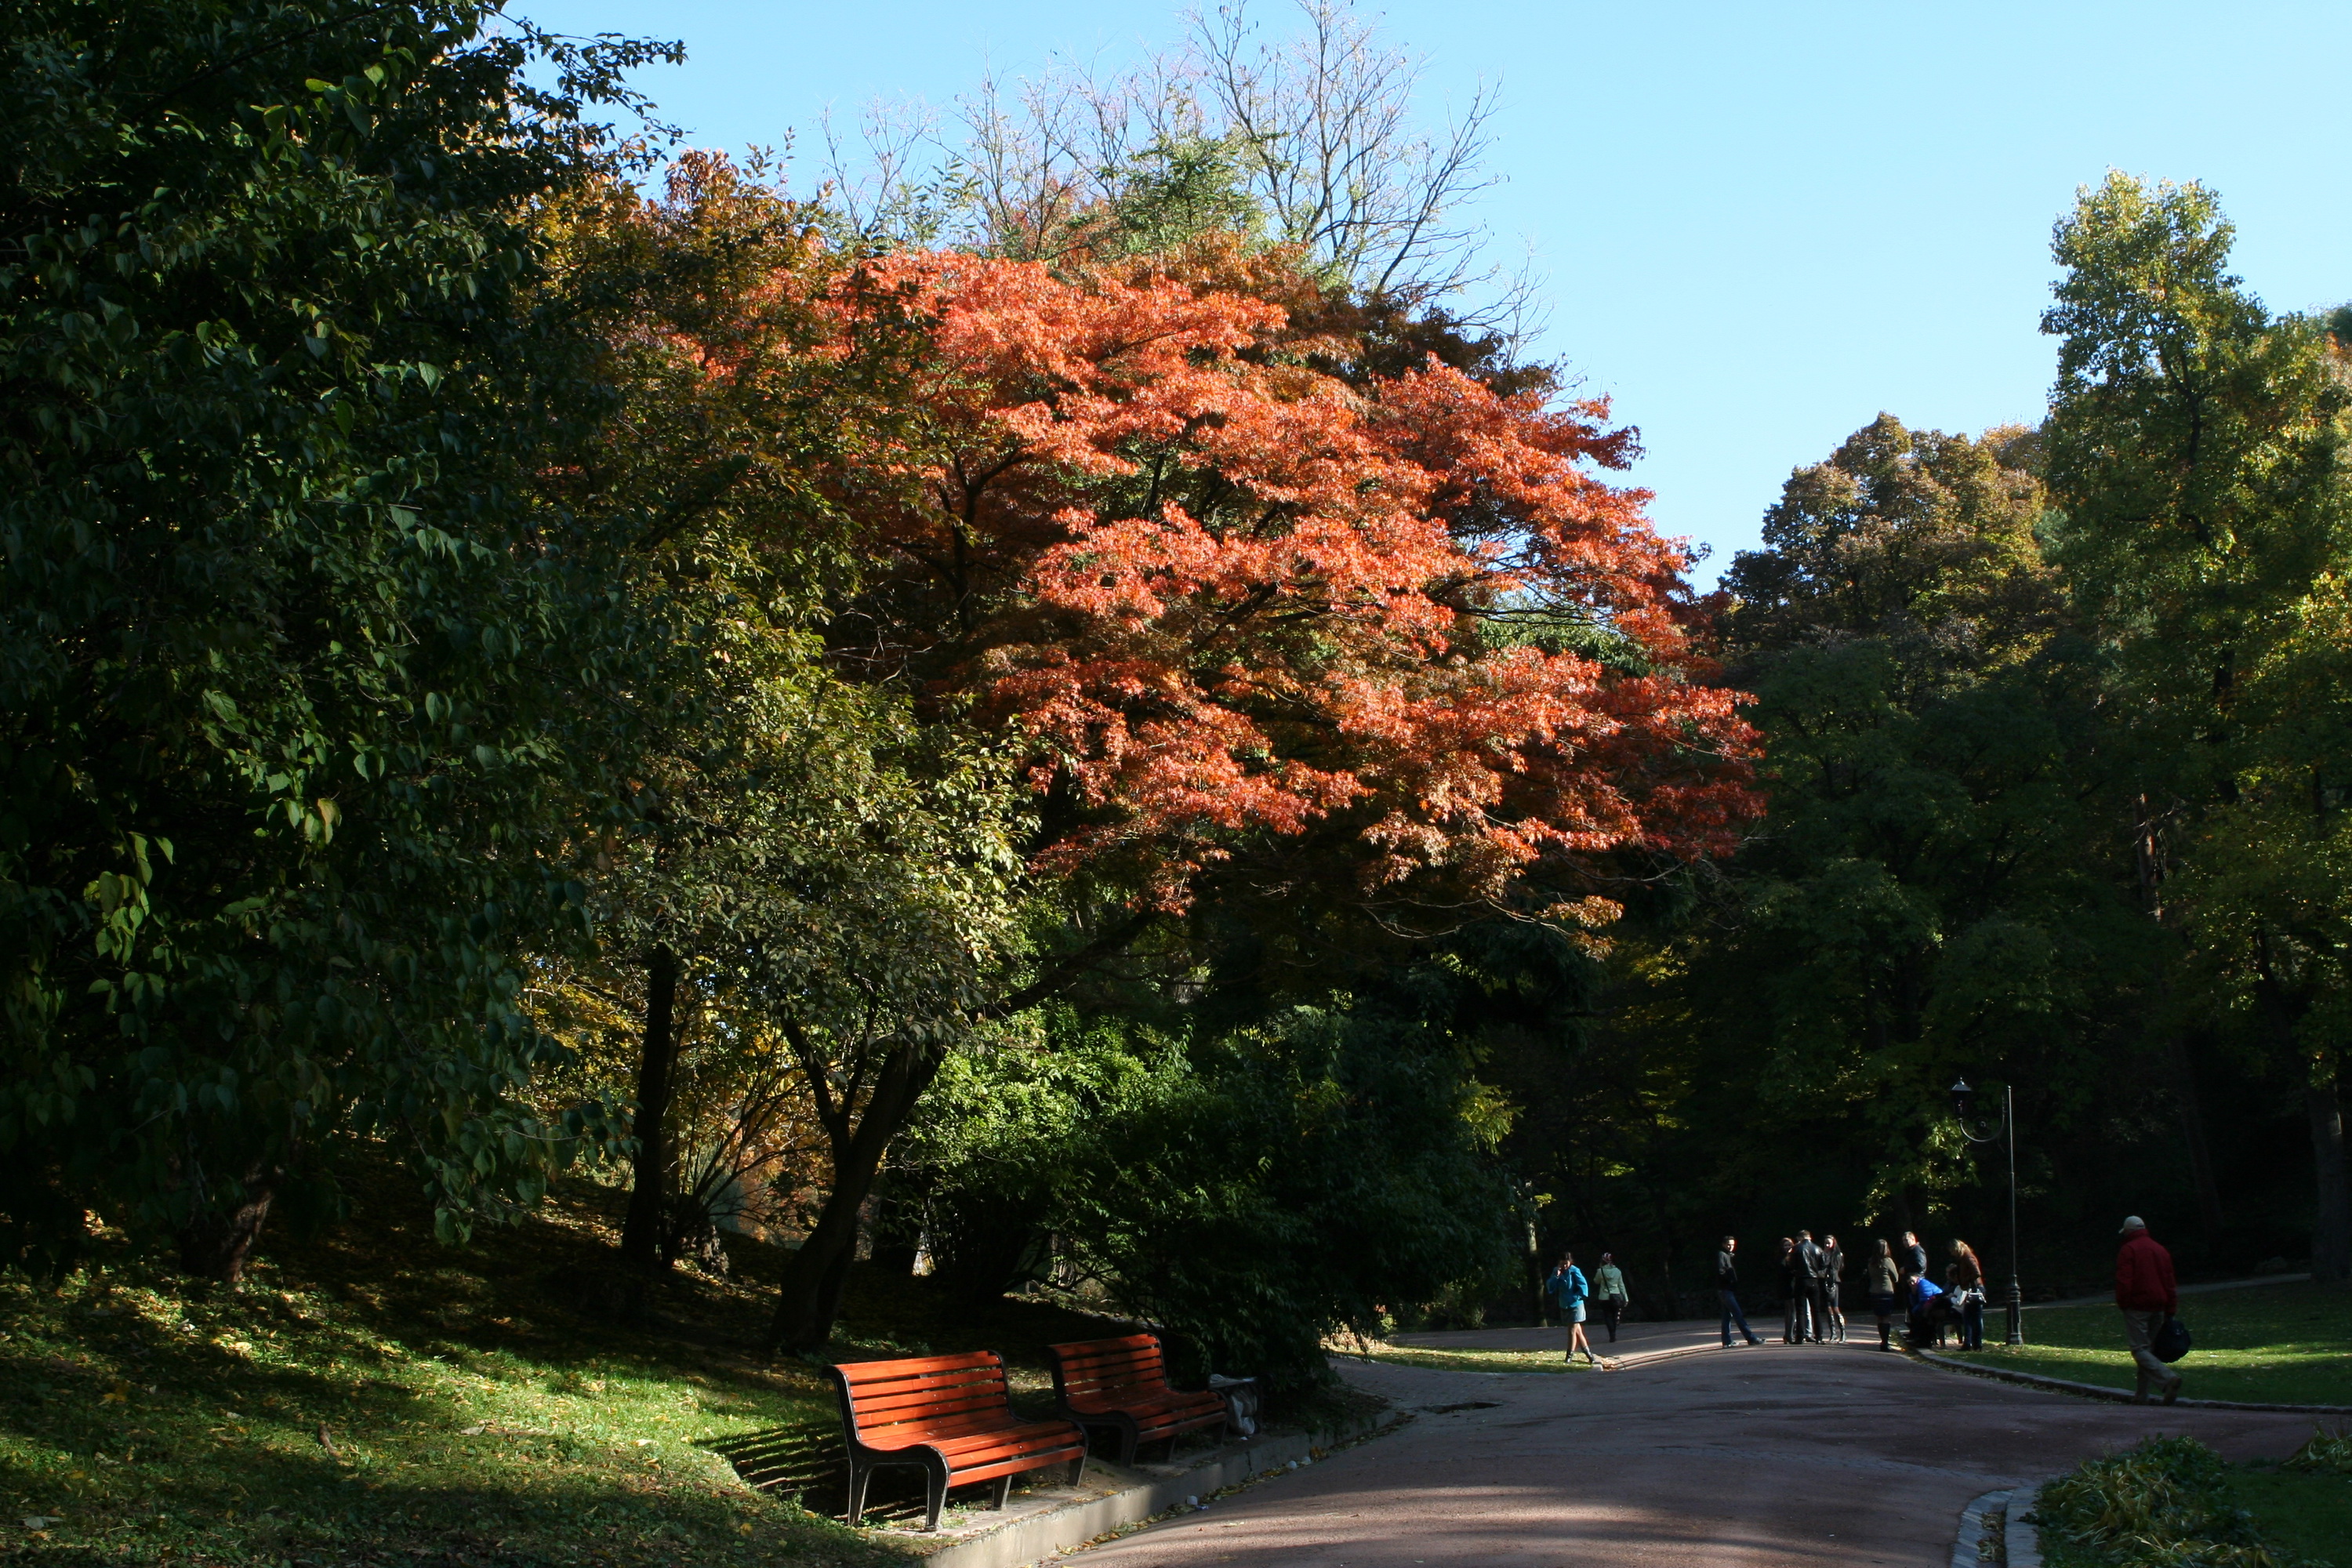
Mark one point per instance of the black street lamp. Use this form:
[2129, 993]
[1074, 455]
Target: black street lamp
[1962, 1097]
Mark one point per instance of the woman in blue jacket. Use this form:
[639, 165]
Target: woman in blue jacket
[1568, 1288]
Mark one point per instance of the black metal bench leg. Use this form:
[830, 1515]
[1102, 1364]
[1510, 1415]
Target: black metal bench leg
[1077, 1469]
[1003, 1492]
[1126, 1443]
[858, 1476]
[935, 1496]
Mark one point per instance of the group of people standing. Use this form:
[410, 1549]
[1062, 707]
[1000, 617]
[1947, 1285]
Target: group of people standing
[1813, 1277]
[1570, 1294]
[1899, 1282]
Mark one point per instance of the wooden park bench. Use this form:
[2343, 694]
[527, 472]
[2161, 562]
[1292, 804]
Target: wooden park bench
[1123, 1384]
[947, 1415]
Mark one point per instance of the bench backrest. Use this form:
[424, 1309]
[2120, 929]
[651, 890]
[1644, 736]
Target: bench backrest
[885, 1400]
[1093, 1367]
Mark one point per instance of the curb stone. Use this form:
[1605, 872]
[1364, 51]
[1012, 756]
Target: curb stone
[1043, 1537]
[2022, 1540]
[1973, 1521]
[2117, 1395]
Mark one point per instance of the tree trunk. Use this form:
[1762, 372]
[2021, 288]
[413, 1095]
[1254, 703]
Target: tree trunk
[2331, 1220]
[2192, 1129]
[641, 1232]
[810, 1297]
[217, 1246]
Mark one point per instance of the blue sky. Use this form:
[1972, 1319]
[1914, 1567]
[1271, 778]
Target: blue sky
[1756, 225]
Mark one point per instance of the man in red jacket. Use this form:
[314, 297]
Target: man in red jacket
[2146, 1292]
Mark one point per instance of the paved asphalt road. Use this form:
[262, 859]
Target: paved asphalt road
[1800, 1456]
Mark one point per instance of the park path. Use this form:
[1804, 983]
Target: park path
[1819, 1456]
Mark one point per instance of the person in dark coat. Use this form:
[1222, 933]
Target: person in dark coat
[1964, 1282]
[1835, 1282]
[1814, 1271]
[1885, 1281]
[1727, 1284]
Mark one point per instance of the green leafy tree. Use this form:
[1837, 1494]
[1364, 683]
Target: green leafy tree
[1929, 895]
[1253, 1189]
[292, 670]
[1918, 540]
[2197, 450]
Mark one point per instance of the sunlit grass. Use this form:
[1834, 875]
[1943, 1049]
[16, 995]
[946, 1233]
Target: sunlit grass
[1468, 1358]
[142, 1423]
[373, 1398]
[2288, 1344]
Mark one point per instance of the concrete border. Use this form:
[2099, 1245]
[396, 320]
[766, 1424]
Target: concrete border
[2020, 1540]
[1040, 1536]
[2103, 1391]
[1973, 1518]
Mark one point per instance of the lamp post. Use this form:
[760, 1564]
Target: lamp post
[1961, 1095]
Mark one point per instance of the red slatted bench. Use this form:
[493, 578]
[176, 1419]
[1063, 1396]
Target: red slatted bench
[948, 1414]
[1123, 1384]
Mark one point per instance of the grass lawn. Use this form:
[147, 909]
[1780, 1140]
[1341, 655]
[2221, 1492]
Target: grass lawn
[376, 1398]
[2172, 1501]
[2286, 1344]
[2308, 1516]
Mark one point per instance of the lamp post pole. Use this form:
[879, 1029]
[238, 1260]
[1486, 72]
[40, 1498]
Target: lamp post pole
[2016, 1295]
[2008, 1136]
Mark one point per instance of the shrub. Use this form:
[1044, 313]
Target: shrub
[2164, 1504]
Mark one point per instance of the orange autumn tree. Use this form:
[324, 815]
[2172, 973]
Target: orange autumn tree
[1265, 623]
[1267, 614]
[1229, 594]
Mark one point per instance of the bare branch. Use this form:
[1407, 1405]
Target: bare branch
[1315, 130]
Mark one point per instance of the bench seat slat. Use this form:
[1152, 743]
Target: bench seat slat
[951, 1414]
[862, 1371]
[1123, 1384]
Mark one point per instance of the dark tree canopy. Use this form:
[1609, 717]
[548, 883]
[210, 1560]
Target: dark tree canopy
[287, 658]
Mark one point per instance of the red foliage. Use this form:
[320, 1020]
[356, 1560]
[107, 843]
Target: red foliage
[1228, 595]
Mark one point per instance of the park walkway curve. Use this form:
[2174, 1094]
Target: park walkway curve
[1774, 1456]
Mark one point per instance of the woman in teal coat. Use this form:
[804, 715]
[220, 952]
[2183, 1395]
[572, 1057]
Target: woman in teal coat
[1568, 1288]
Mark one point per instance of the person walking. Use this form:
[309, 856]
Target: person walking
[1610, 1294]
[1814, 1270]
[1727, 1285]
[2148, 1295]
[1833, 1281]
[1885, 1282]
[1571, 1289]
[1964, 1282]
